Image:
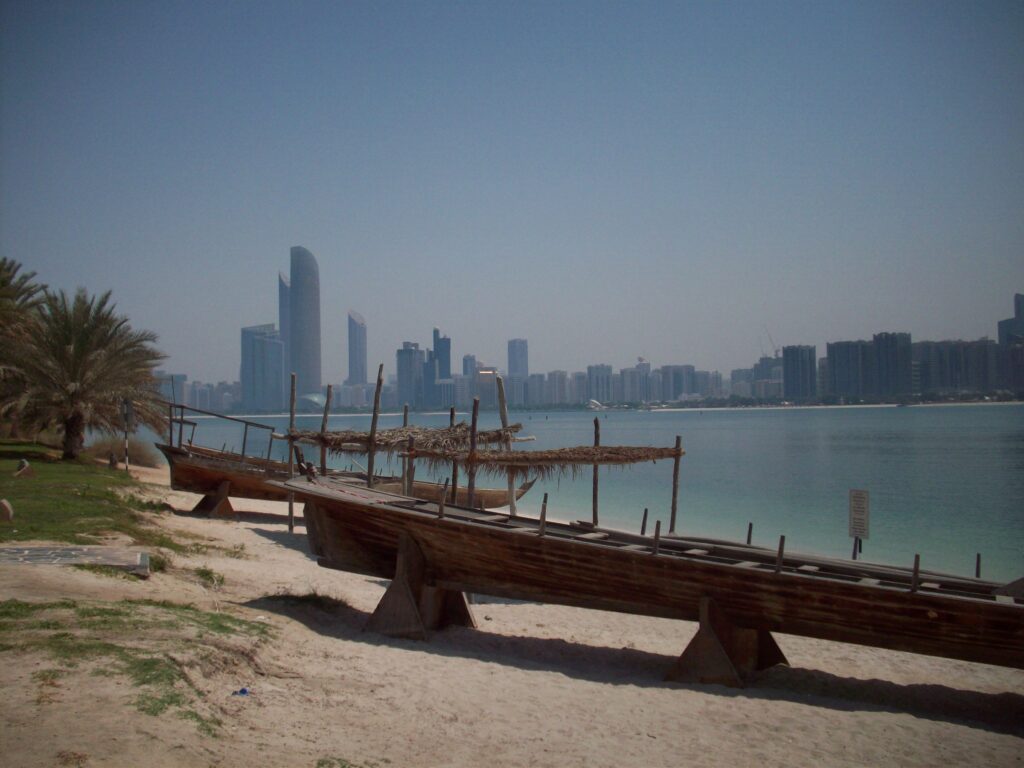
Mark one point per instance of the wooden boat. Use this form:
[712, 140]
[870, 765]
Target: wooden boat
[206, 471]
[740, 594]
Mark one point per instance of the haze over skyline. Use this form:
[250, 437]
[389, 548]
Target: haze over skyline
[605, 180]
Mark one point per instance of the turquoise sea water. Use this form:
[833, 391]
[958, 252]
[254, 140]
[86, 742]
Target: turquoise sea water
[945, 482]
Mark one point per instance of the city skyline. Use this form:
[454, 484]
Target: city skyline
[681, 182]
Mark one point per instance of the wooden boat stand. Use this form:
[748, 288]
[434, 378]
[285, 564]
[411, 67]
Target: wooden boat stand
[720, 652]
[724, 653]
[216, 504]
[410, 607]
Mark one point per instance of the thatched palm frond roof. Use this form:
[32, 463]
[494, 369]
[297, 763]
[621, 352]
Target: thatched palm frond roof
[439, 439]
[545, 463]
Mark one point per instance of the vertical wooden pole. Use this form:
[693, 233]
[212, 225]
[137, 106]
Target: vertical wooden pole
[406, 488]
[181, 424]
[916, 575]
[750, 532]
[855, 540]
[323, 431]
[778, 556]
[291, 458]
[675, 485]
[453, 497]
[440, 502]
[977, 566]
[503, 411]
[410, 476]
[643, 524]
[245, 439]
[471, 483]
[657, 536]
[371, 448]
[543, 526]
[597, 443]
[170, 424]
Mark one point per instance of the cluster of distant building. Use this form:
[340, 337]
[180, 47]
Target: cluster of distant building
[889, 367]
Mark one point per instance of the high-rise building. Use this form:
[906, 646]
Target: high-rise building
[304, 322]
[409, 364]
[443, 355]
[518, 358]
[599, 383]
[469, 365]
[799, 372]
[893, 364]
[262, 367]
[850, 366]
[1011, 330]
[284, 322]
[956, 366]
[356, 349]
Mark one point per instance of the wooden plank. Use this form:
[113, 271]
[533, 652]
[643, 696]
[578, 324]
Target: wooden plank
[869, 582]
[635, 547]
[746, 564]
[595, 536]
[695, 552]
[490, 519]
[808, 568]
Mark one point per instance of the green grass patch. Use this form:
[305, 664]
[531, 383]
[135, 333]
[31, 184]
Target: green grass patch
[206, 725]
[137, 639]
[48, 676]
[157, 704]
[75, 502]
[106, 570]
[210, 578]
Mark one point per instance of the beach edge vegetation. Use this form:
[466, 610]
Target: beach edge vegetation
[71, 363]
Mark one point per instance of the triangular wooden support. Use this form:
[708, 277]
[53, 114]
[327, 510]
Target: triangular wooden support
[216, 504]
[723, 653]
[410, 607]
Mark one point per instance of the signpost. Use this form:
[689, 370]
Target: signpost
[859, 519]
[128, 412]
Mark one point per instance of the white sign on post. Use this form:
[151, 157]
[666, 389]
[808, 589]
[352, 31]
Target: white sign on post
[858, 514]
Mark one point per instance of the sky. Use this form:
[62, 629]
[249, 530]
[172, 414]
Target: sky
[691, 182]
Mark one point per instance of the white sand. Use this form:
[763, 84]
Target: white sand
[534, 685]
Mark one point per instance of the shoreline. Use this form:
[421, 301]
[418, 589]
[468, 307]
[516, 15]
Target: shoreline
[543, 685]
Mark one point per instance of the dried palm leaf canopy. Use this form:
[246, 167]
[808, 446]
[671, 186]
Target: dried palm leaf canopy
[547, 463]
[438, 439]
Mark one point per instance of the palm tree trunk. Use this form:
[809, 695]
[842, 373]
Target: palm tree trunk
[74, 436]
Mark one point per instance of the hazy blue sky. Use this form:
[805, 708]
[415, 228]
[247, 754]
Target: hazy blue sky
[605, 179]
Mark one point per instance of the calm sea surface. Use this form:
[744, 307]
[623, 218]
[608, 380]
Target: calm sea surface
[944, 481]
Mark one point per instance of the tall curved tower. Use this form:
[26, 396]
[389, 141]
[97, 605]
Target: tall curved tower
[304, 322]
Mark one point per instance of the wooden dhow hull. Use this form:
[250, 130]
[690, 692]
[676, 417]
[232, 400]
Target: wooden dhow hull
[741, 590]
[204, 470]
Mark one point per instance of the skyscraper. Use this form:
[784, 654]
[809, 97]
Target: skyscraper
[284, 321]
[599, 383]
[356, 349]
[893, 364]
[304, 322]
[261, 370]
[799, 372]
[409, 361]
[518, 358]
[443, 355]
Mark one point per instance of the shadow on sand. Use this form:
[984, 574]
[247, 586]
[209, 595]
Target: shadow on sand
[996, 712]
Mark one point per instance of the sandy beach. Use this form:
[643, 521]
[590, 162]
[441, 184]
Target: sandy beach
[538, 685]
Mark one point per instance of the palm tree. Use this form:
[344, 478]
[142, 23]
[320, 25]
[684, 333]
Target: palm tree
[79, 363]
[19, 300]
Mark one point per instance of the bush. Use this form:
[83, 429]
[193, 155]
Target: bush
[140, 453]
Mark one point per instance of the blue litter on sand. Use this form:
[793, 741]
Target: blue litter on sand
[240, 692]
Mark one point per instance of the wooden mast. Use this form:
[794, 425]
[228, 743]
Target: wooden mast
[503, 411]
[291, 451]
[371, 447]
